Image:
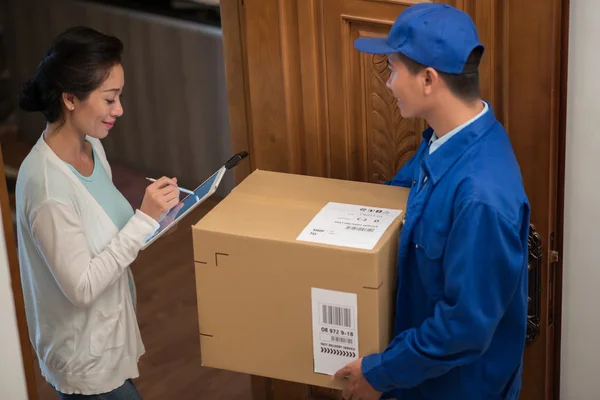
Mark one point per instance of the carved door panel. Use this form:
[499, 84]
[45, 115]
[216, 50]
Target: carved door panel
[369, 140]
[302, 100]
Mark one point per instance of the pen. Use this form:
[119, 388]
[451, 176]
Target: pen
[180, 188]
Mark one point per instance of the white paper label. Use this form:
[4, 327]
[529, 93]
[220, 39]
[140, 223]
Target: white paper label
[335, 329]
[349, 225]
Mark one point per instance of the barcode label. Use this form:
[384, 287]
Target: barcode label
[338, 316]
[342, 340]
[335, 329]
[359, 228]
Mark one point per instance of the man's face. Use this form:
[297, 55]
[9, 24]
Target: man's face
[410, 90]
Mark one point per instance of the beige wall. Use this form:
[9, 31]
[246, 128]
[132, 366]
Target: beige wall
[12, 375]
[580, 345]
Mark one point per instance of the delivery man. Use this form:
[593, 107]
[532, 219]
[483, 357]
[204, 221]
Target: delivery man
[461, 306]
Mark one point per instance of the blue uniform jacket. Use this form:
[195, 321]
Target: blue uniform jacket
[461, 305]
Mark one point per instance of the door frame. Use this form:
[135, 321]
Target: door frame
[236, 72]
[560, 201]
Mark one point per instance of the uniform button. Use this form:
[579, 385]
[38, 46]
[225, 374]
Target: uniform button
[416, 246]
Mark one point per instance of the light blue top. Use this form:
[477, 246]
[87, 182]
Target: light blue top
[110, 199]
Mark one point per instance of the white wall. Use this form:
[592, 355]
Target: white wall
[12, 376]
[580, 360]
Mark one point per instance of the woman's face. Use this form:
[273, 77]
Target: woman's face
[96, 115]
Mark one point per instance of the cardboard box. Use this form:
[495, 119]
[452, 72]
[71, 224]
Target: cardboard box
[272, 301]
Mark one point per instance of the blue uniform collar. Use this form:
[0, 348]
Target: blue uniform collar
[435, 142]
[439, 162]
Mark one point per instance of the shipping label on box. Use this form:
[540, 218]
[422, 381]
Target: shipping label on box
[349, 225]
[335, 329]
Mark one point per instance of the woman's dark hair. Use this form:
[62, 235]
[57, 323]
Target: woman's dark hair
[78, 62]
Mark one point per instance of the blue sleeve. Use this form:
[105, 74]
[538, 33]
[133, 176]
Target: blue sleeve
[482, 266]
[404, 177]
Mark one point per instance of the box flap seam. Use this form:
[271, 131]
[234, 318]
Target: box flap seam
[373, 288]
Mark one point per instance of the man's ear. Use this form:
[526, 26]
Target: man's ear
[430, 79]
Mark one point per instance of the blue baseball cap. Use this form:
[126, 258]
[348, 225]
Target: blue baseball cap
[433, 34]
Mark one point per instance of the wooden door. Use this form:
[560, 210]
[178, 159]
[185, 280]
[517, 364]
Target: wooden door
[302, 100]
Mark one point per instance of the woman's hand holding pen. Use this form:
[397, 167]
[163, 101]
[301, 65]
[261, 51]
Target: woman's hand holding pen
[160, 197]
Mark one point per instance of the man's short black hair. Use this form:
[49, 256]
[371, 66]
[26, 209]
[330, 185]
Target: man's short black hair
[465, 85]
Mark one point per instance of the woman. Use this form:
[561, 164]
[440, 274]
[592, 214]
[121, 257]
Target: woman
[77, 233]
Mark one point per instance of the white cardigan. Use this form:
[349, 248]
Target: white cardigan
[74, 271]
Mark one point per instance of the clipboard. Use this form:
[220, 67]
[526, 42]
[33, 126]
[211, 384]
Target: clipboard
[188, 203]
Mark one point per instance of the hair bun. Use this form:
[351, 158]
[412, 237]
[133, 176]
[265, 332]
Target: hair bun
[30, 98]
